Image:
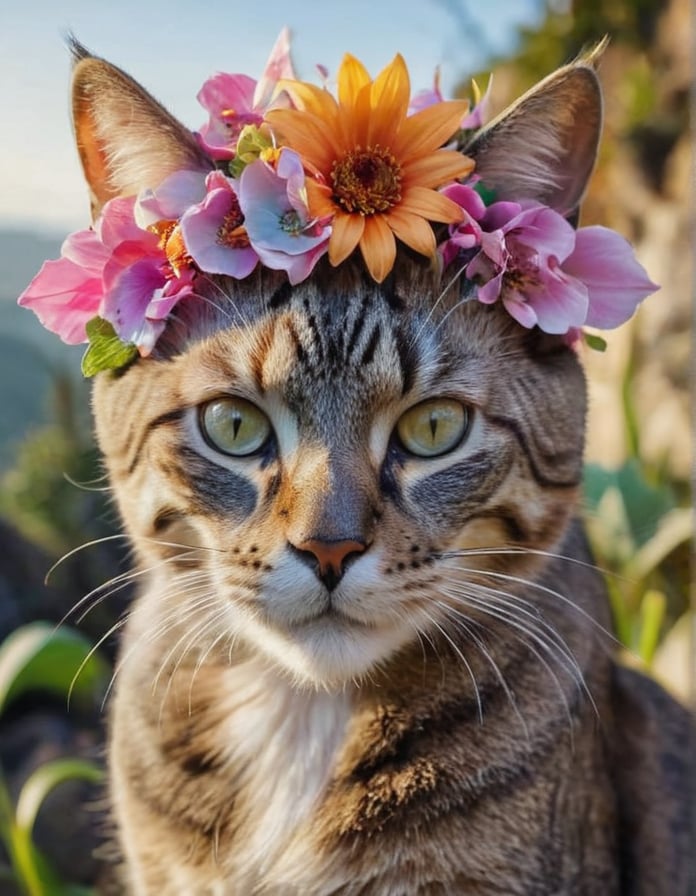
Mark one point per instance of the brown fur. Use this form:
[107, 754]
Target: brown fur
[457, 722]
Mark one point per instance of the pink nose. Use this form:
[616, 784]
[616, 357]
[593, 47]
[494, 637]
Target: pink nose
[331, 557]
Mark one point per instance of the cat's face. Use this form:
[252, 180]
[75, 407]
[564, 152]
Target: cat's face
[327, 473]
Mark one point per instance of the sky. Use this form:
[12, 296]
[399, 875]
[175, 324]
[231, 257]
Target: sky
[172, 47]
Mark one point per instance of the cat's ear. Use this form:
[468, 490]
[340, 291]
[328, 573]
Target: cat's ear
[544, 146]
[126, 139]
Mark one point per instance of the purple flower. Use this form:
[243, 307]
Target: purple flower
[276, 216]
[170, 199]
[520, 262]
[214, 234]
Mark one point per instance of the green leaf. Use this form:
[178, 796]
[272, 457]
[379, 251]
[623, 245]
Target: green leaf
[106, 351]
[38, 657]
[42, 781]
[595, 342]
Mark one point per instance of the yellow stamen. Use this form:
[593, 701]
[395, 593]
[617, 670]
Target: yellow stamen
[366, 180]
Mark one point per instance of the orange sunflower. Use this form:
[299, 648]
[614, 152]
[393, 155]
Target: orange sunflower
[372, 167]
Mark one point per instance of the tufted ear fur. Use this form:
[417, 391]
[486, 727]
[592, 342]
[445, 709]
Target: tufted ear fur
[544, 146]
[125, 138]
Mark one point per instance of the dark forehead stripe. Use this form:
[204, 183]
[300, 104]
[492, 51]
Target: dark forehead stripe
[539, 459]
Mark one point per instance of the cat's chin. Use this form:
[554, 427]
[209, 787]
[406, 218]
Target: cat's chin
[329, 651]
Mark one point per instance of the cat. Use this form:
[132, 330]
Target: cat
[354, 667]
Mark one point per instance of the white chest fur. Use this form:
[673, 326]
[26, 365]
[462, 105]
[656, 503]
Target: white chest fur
[282, 742]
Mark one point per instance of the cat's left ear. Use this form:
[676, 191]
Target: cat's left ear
[544, 146]
[126, 139]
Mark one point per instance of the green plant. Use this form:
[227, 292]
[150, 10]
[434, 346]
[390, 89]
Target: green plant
[34, 658]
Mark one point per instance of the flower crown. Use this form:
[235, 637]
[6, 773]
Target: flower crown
[300, 174]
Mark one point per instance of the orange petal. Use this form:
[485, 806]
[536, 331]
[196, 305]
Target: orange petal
[389, 96]
[307, 134]
[428, 129]
[352, 77]
[346, 233]
[319, 199]
[431, 205]
[436, 169]
[309, 97]
[416, 232]
[378, 247]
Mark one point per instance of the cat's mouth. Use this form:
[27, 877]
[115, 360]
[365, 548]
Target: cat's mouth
[331, 615]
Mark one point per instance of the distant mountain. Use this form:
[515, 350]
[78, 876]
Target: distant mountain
[29, 355]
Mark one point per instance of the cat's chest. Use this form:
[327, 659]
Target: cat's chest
[281, 746]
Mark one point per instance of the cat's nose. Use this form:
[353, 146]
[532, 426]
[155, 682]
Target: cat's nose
[329, 557]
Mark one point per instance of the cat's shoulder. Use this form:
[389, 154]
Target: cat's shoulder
[653, 742]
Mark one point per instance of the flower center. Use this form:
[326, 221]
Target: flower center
[290, 223]
[231, 233]
[366, 181]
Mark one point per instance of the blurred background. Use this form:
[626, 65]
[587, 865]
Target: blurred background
[637, 490]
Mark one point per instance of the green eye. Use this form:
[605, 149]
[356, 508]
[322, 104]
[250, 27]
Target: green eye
[234, 426]
[433, 427]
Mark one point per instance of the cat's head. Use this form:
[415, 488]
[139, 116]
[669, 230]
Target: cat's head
[327, 472]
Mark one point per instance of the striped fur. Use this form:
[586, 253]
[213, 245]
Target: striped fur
[447, 716]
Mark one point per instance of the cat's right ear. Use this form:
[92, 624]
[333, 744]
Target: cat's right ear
[127, 141]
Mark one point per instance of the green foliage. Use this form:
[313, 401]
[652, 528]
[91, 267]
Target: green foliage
[39, 494]
[37, 658]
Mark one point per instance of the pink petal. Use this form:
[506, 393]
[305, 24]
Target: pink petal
[616, 282]
[467, 198]
[560, 302]
[489, 292]
[425, 98]
[64, 298]
[84, 248]
[117, 224]
[499, 214]
[543, 230]
[224, 93]
[170, 199]
[200, 227]
[278, 67]
[129, 290]
[521, 310]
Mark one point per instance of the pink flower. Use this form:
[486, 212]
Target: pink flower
[549, 276]
[466, 234]
[616, 283]
[67, 293]
[117, 271]
[140, 290]
[234, 101]
[520, 263]
[276, 216]
[213, 231]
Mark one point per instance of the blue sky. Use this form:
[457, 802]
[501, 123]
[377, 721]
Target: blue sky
[172, 47]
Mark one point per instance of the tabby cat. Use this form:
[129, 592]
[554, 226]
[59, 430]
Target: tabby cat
[370, 655]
